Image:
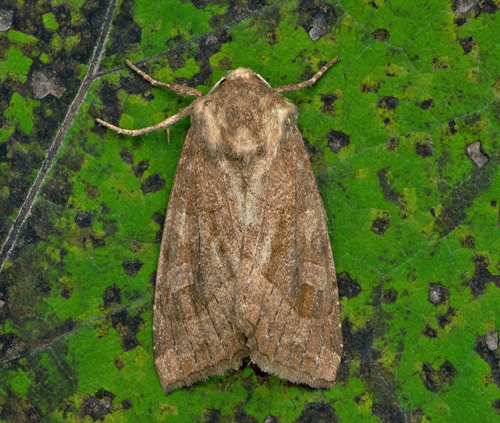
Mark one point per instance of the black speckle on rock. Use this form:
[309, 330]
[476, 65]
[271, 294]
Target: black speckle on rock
[424, 149]
[337, 140]
[58, 189]
[95, 408]
[127, 327]
[467, 44]
[242, 417]
[127, 404]
[84, 220]
[381, 224]
[486, 6]
[318, 412]
[435, 380]
[152, 184]
[496, 405]
[127, 156]
[438, 294]
[389, 296]
[426, 104]
[482, 276]
[452, 125]
[316, 17]
[429, 332]
[141, 167]
[387, 413]
[487, 348]
[468, 242]
[11, 347]
[328, 103]
[348, 287]
[132, 268]
[112, 295]
[387, 102]
[446, 319]
[493, 203]
[381, 35]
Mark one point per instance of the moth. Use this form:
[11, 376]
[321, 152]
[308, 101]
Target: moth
[245, 267]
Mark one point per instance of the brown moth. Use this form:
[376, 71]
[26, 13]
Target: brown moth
[246, 266]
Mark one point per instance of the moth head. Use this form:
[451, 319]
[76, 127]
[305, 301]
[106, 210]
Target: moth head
[242, 75]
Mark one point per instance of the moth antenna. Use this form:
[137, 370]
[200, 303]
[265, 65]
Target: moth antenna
[294, 87]
[162, 125]
[177, 88]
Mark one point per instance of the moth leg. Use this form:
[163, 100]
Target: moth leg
[162, 125]
[177, 88]
[294, 87]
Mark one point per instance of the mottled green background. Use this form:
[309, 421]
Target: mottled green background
[404, 140]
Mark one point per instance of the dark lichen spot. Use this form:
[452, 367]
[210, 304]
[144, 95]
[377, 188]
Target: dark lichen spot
[96, 408]
[152, 184]
[452, 125]
[242, 417]
[467, 44]
[200, 4]
[112, 295]
[487, 348]
[496, 405]
[316, 18]
[127, 156]
[68, 326]
[318, 412]
[468, 242]
[440, 63]
[132, 268]
[328, 103]
[141, 167]
[381, 224]
[426, 104]
[435, 380]
[84, 220]
[493, 203]
[337, 140]
[429, 332]
[374, 5]
[127, 327]
[433, 211]
[58, 189]
[389, 194]
[438, 294]
[127, 404]
[66, 293]
[380, 35]
[393, 144]
[387, 102]
[42, 288]
[91, 192]
[211, 416]
[11, 347]
[482, 276]
[460, 20]
[388, 413]
[348, 287]
[424, 149]
[486, 6]
[389, 296]
[446, 319]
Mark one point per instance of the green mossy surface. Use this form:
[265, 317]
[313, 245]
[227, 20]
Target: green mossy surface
[414, 221]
